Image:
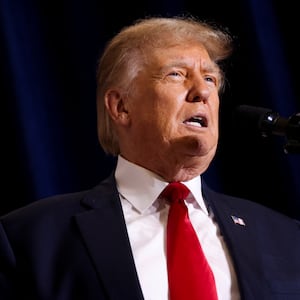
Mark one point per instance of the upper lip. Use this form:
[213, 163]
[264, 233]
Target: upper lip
[201, 118]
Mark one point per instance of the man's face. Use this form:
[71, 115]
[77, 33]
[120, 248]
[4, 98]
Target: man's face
[173, 110]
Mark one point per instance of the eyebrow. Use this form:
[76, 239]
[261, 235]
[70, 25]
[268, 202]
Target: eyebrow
[210, 67]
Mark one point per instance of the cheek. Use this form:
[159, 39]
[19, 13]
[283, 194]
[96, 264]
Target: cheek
[157, 115]
[165, 110]
[159, 127]
[215, 107]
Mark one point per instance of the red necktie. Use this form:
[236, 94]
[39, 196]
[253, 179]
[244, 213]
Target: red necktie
[189, 275]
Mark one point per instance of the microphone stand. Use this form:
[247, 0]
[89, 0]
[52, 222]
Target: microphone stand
[293, 134]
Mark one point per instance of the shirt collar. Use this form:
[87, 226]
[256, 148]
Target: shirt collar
[142, 187]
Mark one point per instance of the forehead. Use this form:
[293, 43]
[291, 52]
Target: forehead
[182, 55]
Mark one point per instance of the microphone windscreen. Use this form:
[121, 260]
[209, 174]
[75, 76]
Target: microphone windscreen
[248, 117]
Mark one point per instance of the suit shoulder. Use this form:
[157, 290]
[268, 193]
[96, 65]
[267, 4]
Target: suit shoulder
[248, 208]
[56, 206]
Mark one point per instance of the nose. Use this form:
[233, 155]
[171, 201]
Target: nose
[199, 91]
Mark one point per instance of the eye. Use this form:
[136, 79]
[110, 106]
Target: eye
[175, 74]
[211, 79]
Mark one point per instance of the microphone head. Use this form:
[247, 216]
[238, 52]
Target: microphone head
[250, 119]
[256, 119]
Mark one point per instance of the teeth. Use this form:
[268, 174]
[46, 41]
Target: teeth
[197, 119]
[193, 123]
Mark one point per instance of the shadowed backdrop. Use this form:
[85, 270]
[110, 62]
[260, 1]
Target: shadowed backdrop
[49, 51]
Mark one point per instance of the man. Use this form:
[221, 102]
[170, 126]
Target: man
[159, 82]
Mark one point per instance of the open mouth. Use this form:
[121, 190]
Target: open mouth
[198, 121]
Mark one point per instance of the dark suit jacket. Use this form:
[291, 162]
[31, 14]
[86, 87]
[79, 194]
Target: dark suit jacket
[76, 246]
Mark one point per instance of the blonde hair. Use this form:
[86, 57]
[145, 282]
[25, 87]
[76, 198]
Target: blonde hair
[124, 54]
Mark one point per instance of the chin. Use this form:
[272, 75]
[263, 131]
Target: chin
[200, 148]
[194, 146]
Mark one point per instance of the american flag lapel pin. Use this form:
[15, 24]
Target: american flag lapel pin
[238, 220]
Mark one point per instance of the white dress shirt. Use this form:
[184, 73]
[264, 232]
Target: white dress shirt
[146, 219]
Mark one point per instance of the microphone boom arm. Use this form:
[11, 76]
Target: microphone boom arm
[293, 134]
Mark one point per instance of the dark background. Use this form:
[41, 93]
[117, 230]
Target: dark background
[48, 57]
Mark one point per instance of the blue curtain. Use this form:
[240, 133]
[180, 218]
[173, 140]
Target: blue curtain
[48, 59]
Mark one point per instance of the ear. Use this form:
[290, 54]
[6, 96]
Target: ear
[116, 107]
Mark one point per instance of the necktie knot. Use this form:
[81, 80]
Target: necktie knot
[175, 191]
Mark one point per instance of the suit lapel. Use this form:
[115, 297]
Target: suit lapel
[104, 233]
[239, 235]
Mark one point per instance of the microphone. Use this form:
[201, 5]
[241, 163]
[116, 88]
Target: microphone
[268, 122]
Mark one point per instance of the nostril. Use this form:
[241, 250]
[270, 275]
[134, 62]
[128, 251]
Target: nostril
[197, 99]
